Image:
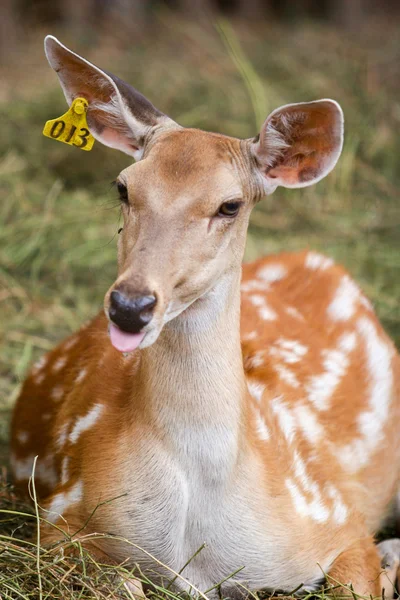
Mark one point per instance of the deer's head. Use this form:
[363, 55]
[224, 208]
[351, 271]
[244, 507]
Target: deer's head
[187, 199]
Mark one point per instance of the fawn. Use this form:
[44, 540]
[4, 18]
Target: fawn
[253, 409]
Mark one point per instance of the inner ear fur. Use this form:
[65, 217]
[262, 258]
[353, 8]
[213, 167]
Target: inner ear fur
[299, 144]
[118, 115]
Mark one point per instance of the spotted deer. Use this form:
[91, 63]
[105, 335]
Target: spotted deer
[252, 409]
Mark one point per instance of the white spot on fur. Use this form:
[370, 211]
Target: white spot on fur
[317, 510]
[261, 426]
[293, 312]
[38, 366]
[308, 423]
[340, 511]
[286, 375]
[256, 390]
[356, 454]
[347, 295]
[347, 342]
[366, 303]
[70, 343]
[316, 261]
[294, 345]
[257, 300]
[250, 336]
[22, 467]
[59, 364]
[256, 360]
[265, 312]
[57, 393]
[84, 423]
[22, 437]
[254, 285]
[336, 361]
[298, 498]
[61, 502]
[314, 508]
[285, 418]
[45, 472]
[271, 273]
[64, 470]
[81, 376]
[62, 436]
[39, 378]
[289, 351]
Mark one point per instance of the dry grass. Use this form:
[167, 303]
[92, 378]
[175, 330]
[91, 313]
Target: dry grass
[59, 215]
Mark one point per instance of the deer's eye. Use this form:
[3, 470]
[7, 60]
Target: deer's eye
[123, 192]
[229, 209]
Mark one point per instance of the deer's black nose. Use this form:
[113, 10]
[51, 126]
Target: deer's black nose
[131, 313]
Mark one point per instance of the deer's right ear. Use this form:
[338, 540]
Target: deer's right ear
[118, 115]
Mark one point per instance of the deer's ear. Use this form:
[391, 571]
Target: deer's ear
[118, 115]
[299, 144]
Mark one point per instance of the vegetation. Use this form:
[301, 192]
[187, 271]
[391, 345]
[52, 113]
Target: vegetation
[59, 215]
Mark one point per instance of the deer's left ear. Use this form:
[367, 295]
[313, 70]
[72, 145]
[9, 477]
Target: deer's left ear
[299, 144]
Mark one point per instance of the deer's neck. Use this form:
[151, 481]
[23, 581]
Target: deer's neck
[193, 383]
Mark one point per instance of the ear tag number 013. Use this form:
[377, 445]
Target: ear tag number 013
[71, 128]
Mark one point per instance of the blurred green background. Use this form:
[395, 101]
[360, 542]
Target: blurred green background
[221, 66]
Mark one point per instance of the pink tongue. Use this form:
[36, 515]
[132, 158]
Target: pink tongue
[124, 342]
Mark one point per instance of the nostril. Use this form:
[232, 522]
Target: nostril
[117, 300]
[131, 313]
[146, 303]
[145, 306]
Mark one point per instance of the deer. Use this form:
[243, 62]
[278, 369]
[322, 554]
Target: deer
[246, 409]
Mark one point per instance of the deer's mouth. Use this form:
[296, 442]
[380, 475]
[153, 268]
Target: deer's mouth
[123, 341]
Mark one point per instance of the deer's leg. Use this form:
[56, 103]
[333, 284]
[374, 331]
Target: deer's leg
[389, 551]
[360, 566]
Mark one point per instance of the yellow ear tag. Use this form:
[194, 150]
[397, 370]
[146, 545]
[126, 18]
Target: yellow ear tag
[71, 128]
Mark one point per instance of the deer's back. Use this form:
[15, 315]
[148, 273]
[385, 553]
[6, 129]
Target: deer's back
[325, 377]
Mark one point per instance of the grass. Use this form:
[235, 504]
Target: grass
[66, 571]
[59, 215]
